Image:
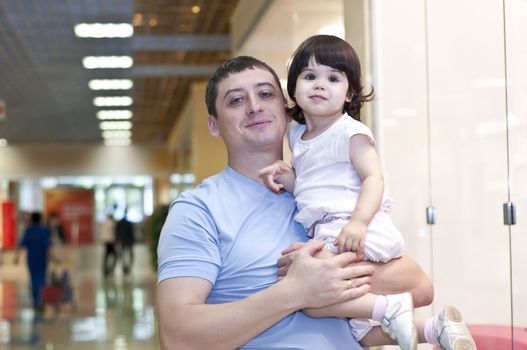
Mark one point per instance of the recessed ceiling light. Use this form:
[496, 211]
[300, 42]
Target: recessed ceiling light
[152, 22]
[116, 134]
[94, 62]
[114, 114]
[138, 19]
[104, 30]
[115, 125]
[117, 142]
[195, 9]
[113, 101]
[110, 84]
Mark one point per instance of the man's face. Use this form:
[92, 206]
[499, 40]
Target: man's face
[250, 112]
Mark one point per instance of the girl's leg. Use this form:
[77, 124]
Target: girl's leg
[395, 312]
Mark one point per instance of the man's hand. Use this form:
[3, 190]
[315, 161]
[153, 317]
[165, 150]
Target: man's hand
[322, 282]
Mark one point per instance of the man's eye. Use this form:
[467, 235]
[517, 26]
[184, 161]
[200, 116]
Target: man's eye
[235, 101]
[266, 94]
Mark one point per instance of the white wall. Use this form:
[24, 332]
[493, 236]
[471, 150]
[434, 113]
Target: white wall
[441, 112]
[440, 119]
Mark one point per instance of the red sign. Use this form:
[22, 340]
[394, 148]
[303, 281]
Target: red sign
[2, 109]
[76, 212]
[8, 225]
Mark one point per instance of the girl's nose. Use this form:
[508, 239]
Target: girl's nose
[319, 85]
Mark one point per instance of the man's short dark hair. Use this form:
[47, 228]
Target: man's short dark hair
[234, 65]
[36, 217]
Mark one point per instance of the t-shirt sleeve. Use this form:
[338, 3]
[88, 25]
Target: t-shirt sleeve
[188, 245]
[342, 141]
[296, 131]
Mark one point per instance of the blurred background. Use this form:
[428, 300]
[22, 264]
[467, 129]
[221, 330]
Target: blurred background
[102, 113]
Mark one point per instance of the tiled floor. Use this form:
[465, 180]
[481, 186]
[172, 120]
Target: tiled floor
[116, 313]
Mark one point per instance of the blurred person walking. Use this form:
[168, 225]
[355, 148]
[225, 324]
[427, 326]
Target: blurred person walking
[110, 252]
[56, 230]
[37, 241]
[125, 240]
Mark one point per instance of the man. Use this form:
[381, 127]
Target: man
[108, 238]
[37, 241]
[124, 233]
[219, 246]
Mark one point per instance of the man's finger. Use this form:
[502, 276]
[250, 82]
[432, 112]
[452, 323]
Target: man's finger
[353, 272]
[312, 247]
[359, 281]
[293, 247]
[354, 293]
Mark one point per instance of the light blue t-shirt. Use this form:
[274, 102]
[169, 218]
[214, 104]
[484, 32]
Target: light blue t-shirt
[230, 230]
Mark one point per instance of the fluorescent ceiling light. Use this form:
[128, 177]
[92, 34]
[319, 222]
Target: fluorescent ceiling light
[116, 134]
[94, 62]
[110, 84]
[114, 114]
[104, 30]
[113, 125]
[113, 101]
[117, 142]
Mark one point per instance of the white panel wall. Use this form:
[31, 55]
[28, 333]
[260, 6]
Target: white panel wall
[461, 46]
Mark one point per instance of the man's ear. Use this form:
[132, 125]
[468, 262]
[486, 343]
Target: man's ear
[287, 114]
[213, 126]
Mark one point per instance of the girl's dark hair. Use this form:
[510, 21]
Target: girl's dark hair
[332, 51]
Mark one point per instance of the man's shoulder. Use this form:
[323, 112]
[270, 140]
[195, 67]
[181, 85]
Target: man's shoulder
[209, 188]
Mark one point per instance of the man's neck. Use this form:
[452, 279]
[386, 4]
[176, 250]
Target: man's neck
[250, 164]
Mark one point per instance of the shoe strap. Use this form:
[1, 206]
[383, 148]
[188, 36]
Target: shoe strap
[391, 314]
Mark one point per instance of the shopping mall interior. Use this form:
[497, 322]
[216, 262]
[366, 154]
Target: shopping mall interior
[102, 112]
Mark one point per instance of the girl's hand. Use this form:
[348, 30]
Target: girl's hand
[352, 238]
[278, 176]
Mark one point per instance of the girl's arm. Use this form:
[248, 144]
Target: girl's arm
[366, 162]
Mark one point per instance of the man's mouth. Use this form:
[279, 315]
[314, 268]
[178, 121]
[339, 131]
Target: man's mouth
[257, 123]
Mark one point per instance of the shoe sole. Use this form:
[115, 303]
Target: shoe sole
[454, 315]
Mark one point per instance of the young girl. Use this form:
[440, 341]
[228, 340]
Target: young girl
[339, 189]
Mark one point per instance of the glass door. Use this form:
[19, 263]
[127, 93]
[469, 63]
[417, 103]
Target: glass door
[516, 55]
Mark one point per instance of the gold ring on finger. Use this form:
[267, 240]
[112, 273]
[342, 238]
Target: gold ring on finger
[350, 284]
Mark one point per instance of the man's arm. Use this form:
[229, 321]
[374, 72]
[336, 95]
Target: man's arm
[396, 276]
[186, 322]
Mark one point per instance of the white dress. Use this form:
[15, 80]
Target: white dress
[327, 188]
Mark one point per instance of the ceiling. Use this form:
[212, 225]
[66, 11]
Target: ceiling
[45, 86]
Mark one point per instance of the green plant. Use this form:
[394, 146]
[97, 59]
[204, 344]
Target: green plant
[153, 226]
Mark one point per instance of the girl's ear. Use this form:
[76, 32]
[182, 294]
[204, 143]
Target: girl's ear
[350, 96]
[213, 126]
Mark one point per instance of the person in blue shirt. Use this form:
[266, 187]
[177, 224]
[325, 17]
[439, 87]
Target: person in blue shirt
[37, 241]
[219, 246]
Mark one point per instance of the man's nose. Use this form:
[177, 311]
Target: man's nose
[253, 105]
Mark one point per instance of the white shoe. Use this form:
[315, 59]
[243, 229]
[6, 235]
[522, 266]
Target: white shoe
[398, 320]
[452, 332]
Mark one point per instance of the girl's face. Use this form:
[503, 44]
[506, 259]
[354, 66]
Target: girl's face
[321, 91]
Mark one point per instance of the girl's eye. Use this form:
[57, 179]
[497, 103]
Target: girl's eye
[334, 79]
[309, 76]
